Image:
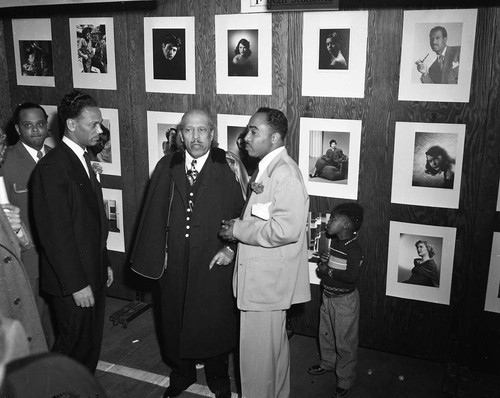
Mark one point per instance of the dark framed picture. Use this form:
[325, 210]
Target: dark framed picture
[492, 300]
[334, 49]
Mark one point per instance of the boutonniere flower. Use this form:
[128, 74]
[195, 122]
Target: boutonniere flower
[97, 168]
[257, 187]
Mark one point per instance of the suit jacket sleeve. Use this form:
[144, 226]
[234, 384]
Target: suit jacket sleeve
[55, 225]
[285, 192]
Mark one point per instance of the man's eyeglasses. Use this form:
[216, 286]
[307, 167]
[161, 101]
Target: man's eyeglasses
[30, 126]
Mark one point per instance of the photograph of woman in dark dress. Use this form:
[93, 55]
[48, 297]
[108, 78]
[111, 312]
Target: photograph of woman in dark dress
[438, 162]
[333, 157]
[242, 63]
[425, 271]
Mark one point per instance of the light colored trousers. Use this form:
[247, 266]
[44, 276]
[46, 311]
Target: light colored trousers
[264, 355]
[338, 336]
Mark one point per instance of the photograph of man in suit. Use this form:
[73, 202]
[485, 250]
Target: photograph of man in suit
[71, 225]
[30, 122]
[272, 267]
[191, 191]
[444, 70]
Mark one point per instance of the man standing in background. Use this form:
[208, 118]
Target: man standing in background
[71, 225]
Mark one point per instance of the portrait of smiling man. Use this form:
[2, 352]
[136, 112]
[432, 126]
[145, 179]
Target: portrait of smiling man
[69, 217]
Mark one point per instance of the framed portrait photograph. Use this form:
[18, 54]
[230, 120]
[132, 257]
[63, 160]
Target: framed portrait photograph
[420, 262]
[113, 207]
[53, 126]
[253, 6]
[427, 165]
[329, 152]
[498, 197]
[231, 137]
[334, 54]
[437, 55]
[169, 55]
[107, 151]
[93, 53]
[492, 301]
[162, 135]
[243, 48]
[318, 242]
[33, 52]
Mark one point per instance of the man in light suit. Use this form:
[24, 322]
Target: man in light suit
[72, 228]
[444, 70]
[271, 271]
[30, 121]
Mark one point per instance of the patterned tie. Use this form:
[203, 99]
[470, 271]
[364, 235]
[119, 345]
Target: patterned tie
[441, 61]
[192, 173]
[39, 155]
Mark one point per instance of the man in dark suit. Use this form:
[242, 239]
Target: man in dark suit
[72, 228]
[30, 121]
[190, 193]
[444, 70]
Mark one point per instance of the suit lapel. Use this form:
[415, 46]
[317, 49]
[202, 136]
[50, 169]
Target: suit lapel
[210, 173]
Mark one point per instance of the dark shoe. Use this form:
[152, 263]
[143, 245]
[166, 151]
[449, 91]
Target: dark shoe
[313, 175]
[316, 370]
[171, 392]
[341, 393]
[223, 394]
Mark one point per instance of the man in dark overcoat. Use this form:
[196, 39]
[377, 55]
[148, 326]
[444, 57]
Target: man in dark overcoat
[190, 193]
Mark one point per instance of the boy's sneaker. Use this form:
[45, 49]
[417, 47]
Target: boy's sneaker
[316, 370]
[341, 393]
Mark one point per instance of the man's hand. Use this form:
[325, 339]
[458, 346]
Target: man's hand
[110, 277]
[422, 68]
[322, 268]
[84, 297]
[223, 257]
[13, 214]
[226, 230]
[325, 256]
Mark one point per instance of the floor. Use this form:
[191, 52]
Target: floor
[131, 366]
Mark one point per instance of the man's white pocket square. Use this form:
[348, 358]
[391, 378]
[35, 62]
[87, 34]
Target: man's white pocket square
[261, 210]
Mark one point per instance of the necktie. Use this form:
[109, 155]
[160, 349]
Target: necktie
[93, 178]
[39, 155]
[98, 193]
[441, 61]
[192, 173]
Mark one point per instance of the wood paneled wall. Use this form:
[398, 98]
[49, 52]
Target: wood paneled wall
[461, 331]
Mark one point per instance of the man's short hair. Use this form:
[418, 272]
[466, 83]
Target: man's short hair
[86, 30]
[72, 105]
[27, 105]
[442, 29]
[173, 40]
[276, 120]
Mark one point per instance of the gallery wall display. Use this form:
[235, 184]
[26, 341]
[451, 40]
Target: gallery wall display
[169, 55]
[437, 55]
[93, 53]
[420, 262]
[334, 53]
[317, 242]
[243, 49]
[253, 6]
[329, 151]
[162, 135]
[113, 207]
[498, 197]
[52, 124]
[33, 52]
[107, 151]
[427, 166]
[492, 301]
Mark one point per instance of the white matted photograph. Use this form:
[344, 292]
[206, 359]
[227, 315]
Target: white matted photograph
[33, 52]
[53, 125]
[420, 262]
[93, 53]
[334, 54]
[113, 207]
[427, 165]
[329, 151]
[162, 135]
[318, 242]
[492, 301]
[253, 6]
[169, 56]
[437, 55]
[243, 48]
[107, 150]
[498, 197]
[231, 131]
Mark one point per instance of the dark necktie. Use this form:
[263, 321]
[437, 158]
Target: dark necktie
[192, 173]
[39, 155]
[93, 178]
[249, 190]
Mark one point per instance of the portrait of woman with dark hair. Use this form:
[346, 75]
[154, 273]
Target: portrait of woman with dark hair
[425, 271]
[334, 49]
[439, 162]
[241, 64]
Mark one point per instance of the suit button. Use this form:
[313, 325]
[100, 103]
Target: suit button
[17, 300]
[29, 338]
[7, 260]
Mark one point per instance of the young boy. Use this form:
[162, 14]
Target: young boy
[339, 314]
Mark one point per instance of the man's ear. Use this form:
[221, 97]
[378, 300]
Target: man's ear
[71, 124]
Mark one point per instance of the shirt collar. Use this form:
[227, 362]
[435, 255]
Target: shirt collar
[33, 151]
[200, 162]
[266, 161]
[77, 149]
